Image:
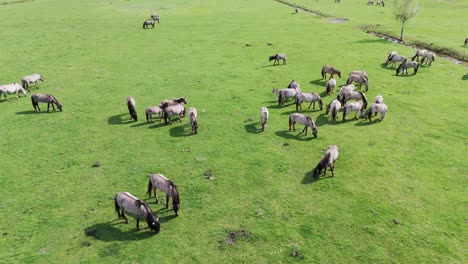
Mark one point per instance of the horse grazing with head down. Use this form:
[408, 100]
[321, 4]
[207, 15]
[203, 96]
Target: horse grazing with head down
[328, 159]
[126, 202]
[155, 17]
[167, 102]
[150, 111]
[277, 57]
[12, 88]
[407, 64]
[308, 97]
[285, 93]
[264, 117]
[428, 58]
[131, 108]
[192, 113]
[45, 98]
[148, 23]
[331, 70]
[178, 109]
[158, 181]
[360, 79]
[419, 53]
[358, 107]
[333, 107]
[33, 78]
[393, 58]
[302, 119]
[331, 83]
[376, 108]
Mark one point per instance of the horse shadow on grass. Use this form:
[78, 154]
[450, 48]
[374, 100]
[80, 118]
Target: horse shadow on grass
[323, 120]
[289, 135]
[119, 119]
[366, 122]
[388, 67]
[156, 125]
[139, 124]
[32, 112]
[108, 232]
[252, 128]
[309, 178]
[319, 82]
[180, 131]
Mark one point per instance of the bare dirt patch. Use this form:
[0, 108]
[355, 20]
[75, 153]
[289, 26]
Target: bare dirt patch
[338, 20]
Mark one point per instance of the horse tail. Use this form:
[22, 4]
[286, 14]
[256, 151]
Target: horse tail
[150, 187]
[416, 68]
[32, 100]
[117, 206]
[144, 23]
[165, 116]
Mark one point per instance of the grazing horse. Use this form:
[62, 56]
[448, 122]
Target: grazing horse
[357, 95]
[131, 108]
[148, 23]
[330, 85]
[344, 89]
[264, 117]
[382, 3]
[126, 202]
[428, 58]
[328, 159]
[293, 85]
[357, 107]
[362, 73]
[150, 111]
[155, 17]
[466, 42]
[167, 102]
[376, 108]
[393, 59]
[192, 113]
[302, 119]
[11, 88]
[308, 97]
[331, 70]
[45, 98]
[278, 57]
[33, 78]
[407, 64]
[370, 2]
[177, 109]
[285, 93]
[420, 53]
[360, 79]
[158, 181]
[334, 107]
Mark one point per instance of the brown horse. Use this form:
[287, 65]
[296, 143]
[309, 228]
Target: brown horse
[331, 70]
[45, 98]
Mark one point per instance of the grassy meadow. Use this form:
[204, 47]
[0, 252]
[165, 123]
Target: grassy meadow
[399, 192]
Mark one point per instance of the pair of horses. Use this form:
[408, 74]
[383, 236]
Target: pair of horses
[125, 202]
[12, 88]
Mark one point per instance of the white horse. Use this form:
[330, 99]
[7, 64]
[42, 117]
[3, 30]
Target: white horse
[302, 119]
[32, 78]
[420, 53]
[11, 88]
[308, 97]
[334, 107]
[330, 85]
[357, 107]
[376, 108]
[264, 117]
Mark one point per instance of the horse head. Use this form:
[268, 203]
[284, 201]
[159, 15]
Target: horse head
[273, 57]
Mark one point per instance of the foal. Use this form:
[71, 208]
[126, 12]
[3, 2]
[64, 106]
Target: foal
[328, 159]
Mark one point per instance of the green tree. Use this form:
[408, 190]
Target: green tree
[404, 10]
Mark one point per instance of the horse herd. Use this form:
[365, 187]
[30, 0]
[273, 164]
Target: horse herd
[422, 56]
[15, 88]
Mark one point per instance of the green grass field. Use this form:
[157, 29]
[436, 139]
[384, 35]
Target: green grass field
[399, 195]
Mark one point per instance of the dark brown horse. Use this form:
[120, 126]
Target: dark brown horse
[45, 98]
[331, 70]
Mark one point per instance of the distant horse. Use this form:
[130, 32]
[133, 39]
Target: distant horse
[330, 85]
[169, 111]
[370, 2]
[393, 59]
[148, 23]
[428, 58]
[420, 53]
[45, 98]
[357, 95]
[293, 85]
[10, 89]
[328, 159]
[466, 42]
[131, 108]
[331, 70]
[167, 102]
[334, 107]
[264, 117]
[193, 119]
[407, 64]
[357, 107]
[150, 111]
[285, 93]
[302, 119]
[376, 108]
[278, 57]
[126, 202]
[360, 79]
[158, 181]
[382, 3]
[378, 99]
[308, 97]
[33, 78]
[155, 17]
